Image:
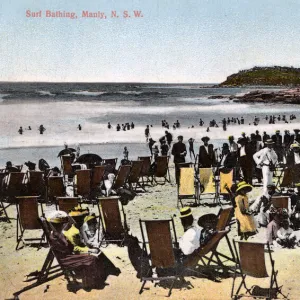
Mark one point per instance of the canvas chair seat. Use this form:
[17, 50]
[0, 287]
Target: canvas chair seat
[82, 184]
[121, 178]
[3, 205]
[186, 188]
[66, 165]
[162, 170]
[158, 247]
[67, 203]
[55, 188]
[27, 218]
[145, 172]
[113, 220]
[251, 262]
[36, 183]
[135, 174]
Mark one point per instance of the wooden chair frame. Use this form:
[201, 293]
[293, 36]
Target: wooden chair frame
[3, 205]
[121, 177]
[254, 266]
[152, 250]
[27, 218]
[162, 170]
[36, 183]
[66, 166]
[145, 172]
[111, 216]
[189, 196]
[135, 174]
[48, 270]
[82, 184]
[55, 188]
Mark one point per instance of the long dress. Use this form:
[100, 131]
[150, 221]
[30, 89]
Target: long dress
[94, 270]
[246, 222]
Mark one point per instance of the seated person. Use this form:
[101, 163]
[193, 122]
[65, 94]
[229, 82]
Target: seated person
[261, 206]
[89, 231]
[72, 234]
[208, 222]
[91, 267]
[285, 235]
[108, 183]
[190, 241]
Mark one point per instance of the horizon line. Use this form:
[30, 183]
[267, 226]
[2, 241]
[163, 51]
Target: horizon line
[106, 82]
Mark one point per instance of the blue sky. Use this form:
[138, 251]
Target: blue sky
[198, 41]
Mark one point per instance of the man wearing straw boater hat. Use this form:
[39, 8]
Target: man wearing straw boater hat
[190, 241]
[266, 159]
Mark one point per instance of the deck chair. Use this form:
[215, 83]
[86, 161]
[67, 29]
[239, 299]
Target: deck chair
[110, 161]
[82, 184]
[67, 203]
[3, 205]
[145, 172]
[27, 218]
[121, 178]
[36, 183]
[15, 186]
[48, 271]
[66, 166]
[251, 262]
[135, 174]
[207, 182]
[281, 202]
[158, 247]
[55, 188]
[97, 176]
[186, 188]
[224, 220]
[192, 262]
[113, 220]
[162, 170]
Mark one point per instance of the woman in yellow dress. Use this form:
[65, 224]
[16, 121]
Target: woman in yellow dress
[245, 221]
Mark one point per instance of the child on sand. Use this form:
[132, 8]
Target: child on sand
[285, 235]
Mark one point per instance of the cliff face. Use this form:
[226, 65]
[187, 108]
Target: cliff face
[275, 76]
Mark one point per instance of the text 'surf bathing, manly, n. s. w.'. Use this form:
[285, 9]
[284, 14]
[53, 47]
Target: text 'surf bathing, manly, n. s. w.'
[126, 14]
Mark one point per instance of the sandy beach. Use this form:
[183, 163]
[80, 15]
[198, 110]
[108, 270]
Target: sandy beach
[158, 202]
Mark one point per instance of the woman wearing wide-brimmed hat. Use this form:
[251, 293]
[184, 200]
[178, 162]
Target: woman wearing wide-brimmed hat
[246, 224]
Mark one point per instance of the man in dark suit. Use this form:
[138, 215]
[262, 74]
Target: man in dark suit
[206, 154]
[245, 158]
[179, 153]
[277, 139]
[228, 159]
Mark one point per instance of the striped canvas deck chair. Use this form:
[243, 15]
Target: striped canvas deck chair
[36, 183]
[145, 172]
[67, 203]
[162, 170]
[159, 241]
[282, 202]
[251, 262]
[27, 218]
[55, 188]
[135, 174]
[186, 188]
[82, 184]
[113, 220]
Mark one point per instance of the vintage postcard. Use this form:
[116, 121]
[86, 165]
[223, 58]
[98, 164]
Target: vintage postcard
[149, 149]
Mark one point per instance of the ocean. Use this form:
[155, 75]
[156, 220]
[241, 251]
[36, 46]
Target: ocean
[61, 107]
